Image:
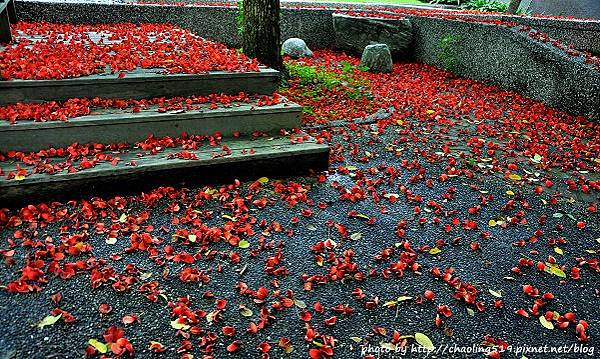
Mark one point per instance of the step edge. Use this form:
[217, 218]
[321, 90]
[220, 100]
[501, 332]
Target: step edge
[301, 149]
[136, 78]
[129, 118]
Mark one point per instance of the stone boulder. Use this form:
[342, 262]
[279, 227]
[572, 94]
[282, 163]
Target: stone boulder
[353, 33]
[296, 48]
[377, 58]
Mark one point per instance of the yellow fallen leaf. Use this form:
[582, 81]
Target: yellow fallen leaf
[424, 341]
[495, 294]
[263, 180]
[175, 324]
[554, 269]
[245, 311]
[99, 346]
[299, 303]
[49, 320]
[435, 250]
[244, 244]
[514, 177]
[545, 323]
[356, 236]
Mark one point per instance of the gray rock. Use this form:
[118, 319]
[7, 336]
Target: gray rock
[353, 33]
[296, 47]
[377, 58]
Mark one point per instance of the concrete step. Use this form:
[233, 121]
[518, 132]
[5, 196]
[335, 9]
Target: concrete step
[248, 159]
[118, 126]
[140, 84]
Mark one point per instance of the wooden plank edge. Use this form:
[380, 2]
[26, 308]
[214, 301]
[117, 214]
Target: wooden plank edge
[146, 117]
[288, 164]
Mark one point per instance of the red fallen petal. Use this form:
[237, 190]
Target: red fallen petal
[262, 293]
[541, 266]
[112, 334]
[576, 273]
[522, 313]
[305, 315]
[228, 331]
[220, 303]
[264, 347]
[315, 354]
[380, 331]
[56, 297]
[530, 290]
[548, 296]
[252, 328]
[310, 333]
[445, 310]
[438, 321]
[117, 349]
[234, 346]
[330, 321]
[157, 347]
[580, 330]
[128, 319]
[570, 316]
[318, 307]
[327, 350]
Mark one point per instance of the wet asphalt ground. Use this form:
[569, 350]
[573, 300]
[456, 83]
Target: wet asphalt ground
[487, 269]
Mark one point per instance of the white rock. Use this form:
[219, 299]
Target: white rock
[296, 47]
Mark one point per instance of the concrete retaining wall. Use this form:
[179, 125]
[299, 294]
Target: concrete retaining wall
[218, 23]
[577, 8]
[512, 60]
[311, 24]
[582, 34]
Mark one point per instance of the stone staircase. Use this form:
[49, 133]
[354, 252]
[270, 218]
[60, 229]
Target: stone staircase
[256, 139]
